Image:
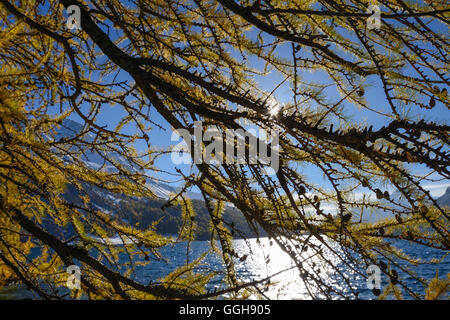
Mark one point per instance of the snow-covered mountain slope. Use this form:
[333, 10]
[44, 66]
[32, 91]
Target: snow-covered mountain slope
[94, 160]
[444, 200]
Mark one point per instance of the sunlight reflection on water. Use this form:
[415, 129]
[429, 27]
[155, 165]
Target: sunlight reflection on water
[265, 260]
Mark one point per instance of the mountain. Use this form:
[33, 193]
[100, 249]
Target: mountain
[444, 200]
[139, 211]
[94, 160]
[377, 215]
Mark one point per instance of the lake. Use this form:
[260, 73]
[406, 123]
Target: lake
[285, 285]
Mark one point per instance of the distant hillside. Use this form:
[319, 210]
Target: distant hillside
[143, 212]
[444, 200]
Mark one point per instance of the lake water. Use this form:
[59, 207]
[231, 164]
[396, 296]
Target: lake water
[285, 285]
[288, 284]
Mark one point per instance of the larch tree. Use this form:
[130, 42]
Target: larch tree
[200, 60]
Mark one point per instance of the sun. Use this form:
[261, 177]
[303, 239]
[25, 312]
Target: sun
[274, 106]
